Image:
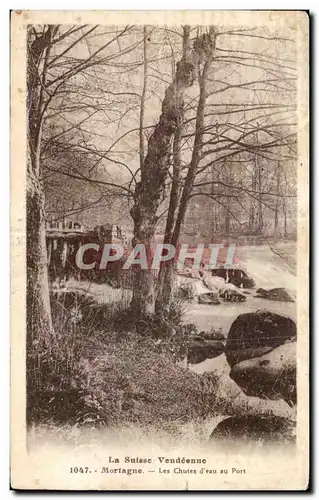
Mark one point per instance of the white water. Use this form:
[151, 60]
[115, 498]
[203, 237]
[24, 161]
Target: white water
[269, 271]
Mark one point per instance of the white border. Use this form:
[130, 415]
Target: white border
[4, 197]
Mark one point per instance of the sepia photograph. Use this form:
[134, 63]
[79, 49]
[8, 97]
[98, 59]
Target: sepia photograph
[159, 250]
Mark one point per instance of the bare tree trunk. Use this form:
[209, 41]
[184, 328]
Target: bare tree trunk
[258, 168]
[165, 297]
[284, 209]
[175, 189]
[142, 111]
[165, 272]
[149, 191]
[227, 219]
[38, 301]
[39, 320]
[277, 201]
[214, 193]
[227, 206]
[260, 205]
[252, 212]
[199, 132]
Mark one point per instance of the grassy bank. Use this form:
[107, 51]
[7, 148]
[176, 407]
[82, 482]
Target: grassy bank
[102, 371]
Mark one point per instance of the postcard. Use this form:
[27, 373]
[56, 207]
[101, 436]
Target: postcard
[159, 250]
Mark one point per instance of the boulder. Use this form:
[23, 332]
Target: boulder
[270, 376]
[230, 295]
[200, 349]
[185, 291]
[255, 429]
[235, 275]
[227, 291]
[186, 287]
[212, 282]
[188, 272]
[209, 298]
[227, 286]
[256, 333]
[280, 294]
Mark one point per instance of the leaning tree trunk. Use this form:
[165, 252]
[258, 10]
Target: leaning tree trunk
[150, 190]
[164, 299]
[165, 273]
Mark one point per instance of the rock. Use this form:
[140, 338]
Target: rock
[189, 287]
[229, 295]
[227, 291]
[186, 291]
[188, 272]
[209, 298]
[255, 429]
[227, 286]
[280, 294]
[256, 333]
[235, 275]
[200, 349]
[212, 282]
[270, 376]
[199, 287]
[261, 351]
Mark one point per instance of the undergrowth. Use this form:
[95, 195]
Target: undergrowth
[102, 368]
